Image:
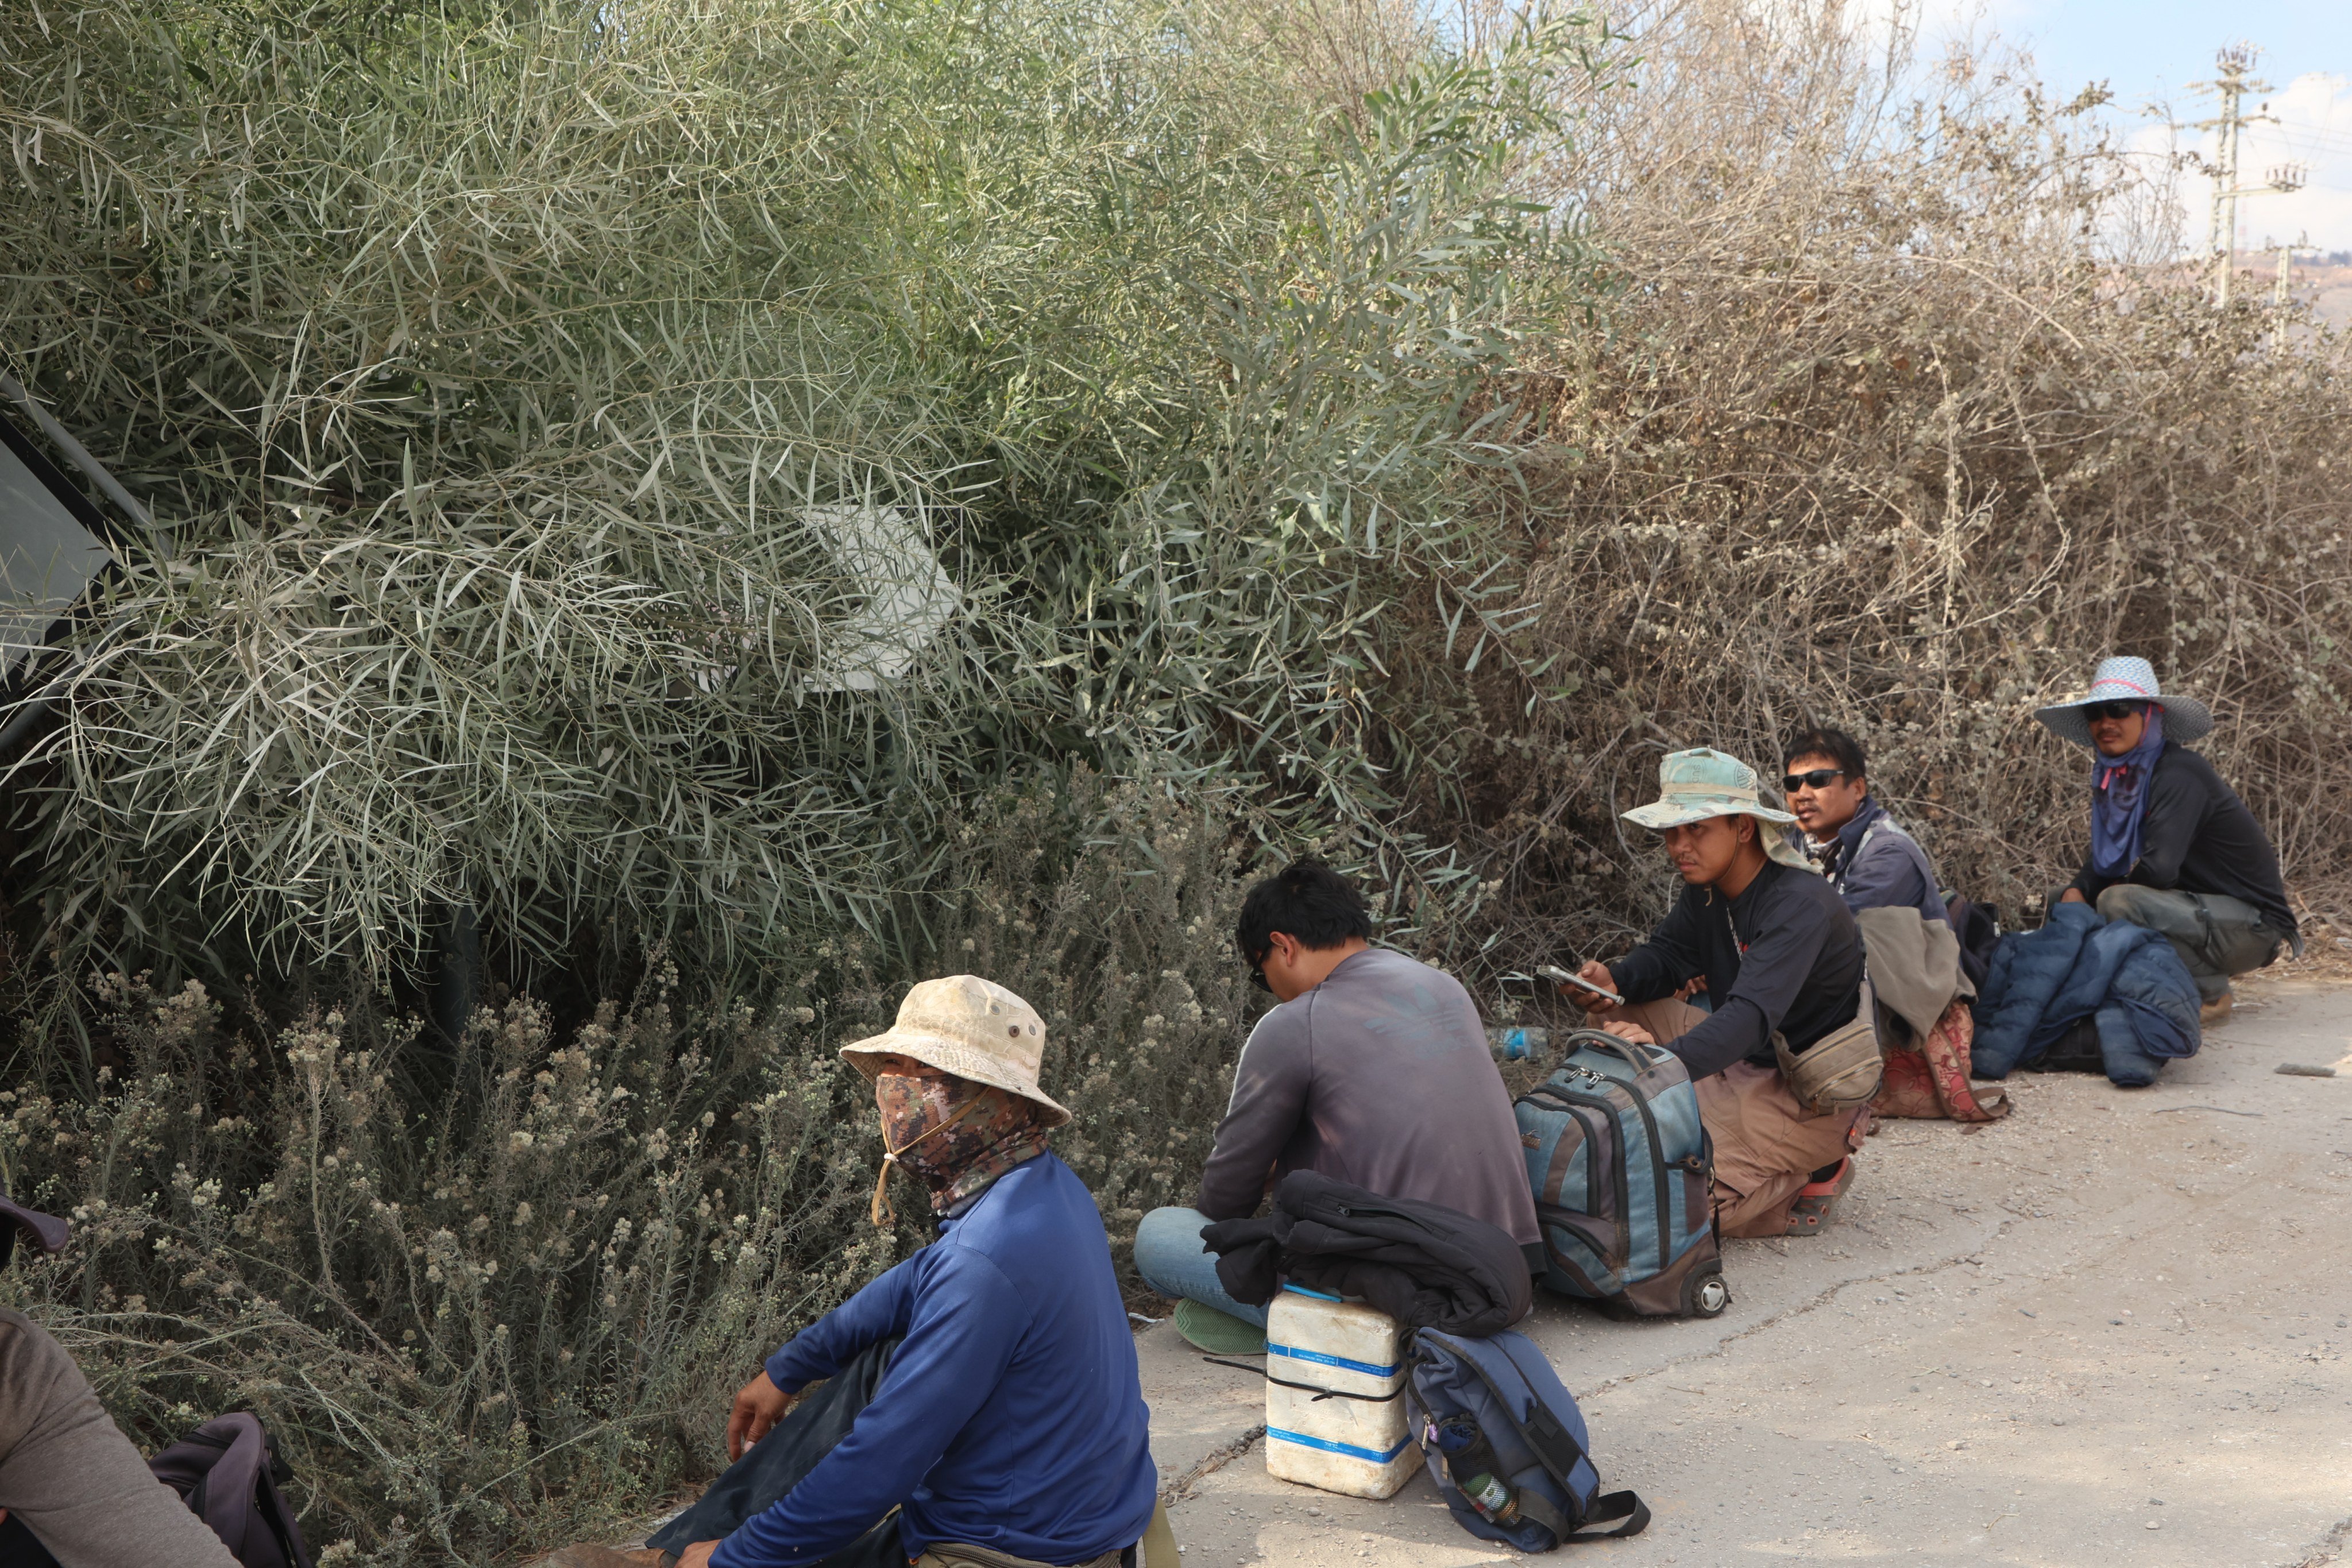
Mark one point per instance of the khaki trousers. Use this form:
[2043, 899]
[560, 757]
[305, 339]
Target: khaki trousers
[2216, 936]
[1156, 1549]
[1766, 1145]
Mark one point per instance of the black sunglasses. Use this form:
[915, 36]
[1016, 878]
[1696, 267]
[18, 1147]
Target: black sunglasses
[2110, 710]
[1258, 970]
[1812, 778]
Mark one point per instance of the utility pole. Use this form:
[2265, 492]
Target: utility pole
[2233, 62]
[2283, 291]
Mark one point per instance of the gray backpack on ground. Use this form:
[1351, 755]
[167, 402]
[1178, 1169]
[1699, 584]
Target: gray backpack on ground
[1623, 1174]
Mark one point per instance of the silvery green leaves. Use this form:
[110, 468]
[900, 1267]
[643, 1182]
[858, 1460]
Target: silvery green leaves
[641, 483]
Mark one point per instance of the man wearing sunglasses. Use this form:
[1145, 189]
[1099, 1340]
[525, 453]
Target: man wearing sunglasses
[2172, 847]
[1868, 856]
[1374, 1068]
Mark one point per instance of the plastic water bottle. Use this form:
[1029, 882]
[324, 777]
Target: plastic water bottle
[1492, 1497]
[1513, 1043]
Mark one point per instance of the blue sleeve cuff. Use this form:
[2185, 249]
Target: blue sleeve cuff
[793, 1373]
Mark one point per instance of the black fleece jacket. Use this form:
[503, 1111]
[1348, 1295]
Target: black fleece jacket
[2199, 837]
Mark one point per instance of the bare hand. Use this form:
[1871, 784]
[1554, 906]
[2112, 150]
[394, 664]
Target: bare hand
[699, 1554]
[1634, 1033]
[1596, 974]
[758, 1408]
[2073, 896]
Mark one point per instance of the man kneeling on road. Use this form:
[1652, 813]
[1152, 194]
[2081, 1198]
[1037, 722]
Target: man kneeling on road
[1373, 1071]
[1781, 954]
[979, 1406]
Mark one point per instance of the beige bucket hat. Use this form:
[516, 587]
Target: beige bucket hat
[1701, 783]
[968, 1026]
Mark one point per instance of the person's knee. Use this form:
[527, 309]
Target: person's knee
[2121, 902]
[1166, 1237]
[1169, 1224]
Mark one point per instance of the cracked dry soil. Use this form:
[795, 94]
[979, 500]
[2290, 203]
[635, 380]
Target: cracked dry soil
[2109, 1329]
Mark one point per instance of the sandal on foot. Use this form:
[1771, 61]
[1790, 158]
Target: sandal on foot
[1219, 1333]
[1816, 1199]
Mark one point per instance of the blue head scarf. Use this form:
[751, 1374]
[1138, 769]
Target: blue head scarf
[2119, 799]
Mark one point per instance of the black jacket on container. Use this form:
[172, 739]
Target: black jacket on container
[1422, 1264]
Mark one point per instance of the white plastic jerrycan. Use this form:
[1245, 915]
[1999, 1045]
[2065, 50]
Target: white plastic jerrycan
[1335, 1396]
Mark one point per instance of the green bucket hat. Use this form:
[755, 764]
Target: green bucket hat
[1696, 784]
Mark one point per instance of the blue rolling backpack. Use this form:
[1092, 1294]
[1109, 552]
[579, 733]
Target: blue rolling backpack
[1621, 1169]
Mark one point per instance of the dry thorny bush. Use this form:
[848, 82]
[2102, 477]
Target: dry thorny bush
[1900, 423]
[494, 1297]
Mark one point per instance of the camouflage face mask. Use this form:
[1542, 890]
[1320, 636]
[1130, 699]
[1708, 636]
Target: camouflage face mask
[956, 1136]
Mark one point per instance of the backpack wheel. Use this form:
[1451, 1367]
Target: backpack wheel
[1704, 1295]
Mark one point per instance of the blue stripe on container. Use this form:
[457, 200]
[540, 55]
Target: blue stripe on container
[1303, 1290]
[1319, 1358]
[1350, 1450]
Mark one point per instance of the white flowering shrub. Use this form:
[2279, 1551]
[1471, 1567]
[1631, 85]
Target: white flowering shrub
[527, 1284]
[494, 1298]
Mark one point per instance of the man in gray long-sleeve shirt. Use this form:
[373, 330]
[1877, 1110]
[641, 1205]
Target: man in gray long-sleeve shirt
[1374, 1070]
[1782, 955]
[68, 1475]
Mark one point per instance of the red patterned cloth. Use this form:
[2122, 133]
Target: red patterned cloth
[1932, 1079]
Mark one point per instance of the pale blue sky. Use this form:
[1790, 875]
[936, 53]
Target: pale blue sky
[2152, 48]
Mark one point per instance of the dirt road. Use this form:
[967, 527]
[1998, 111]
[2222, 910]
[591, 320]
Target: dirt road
[2108, 1330]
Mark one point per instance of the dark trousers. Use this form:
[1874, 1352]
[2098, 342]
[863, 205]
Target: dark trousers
[775, 1464]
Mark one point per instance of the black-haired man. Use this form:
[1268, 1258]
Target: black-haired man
[1784, 960]
[1372, 1069]
[1868, 856]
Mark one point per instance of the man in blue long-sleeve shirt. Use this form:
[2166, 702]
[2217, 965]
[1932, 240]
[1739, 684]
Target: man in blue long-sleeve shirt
[1008, 1414]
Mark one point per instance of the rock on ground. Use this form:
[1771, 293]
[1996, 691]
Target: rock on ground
[2110, 1330]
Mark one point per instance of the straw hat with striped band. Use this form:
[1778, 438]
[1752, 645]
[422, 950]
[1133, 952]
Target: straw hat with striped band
[972, 1027]
[2126, 679]
[1696, 784]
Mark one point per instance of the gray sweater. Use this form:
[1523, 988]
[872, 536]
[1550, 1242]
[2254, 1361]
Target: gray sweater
[1379, 1077]
[73, 1479]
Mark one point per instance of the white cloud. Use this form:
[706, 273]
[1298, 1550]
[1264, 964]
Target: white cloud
[2315, 130]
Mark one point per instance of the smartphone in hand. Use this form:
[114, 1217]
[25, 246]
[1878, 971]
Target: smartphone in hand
[1554, 972]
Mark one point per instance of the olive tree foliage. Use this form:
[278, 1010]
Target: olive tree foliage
[634, 471]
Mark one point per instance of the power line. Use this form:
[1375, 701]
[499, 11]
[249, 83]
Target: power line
[2233, 61]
